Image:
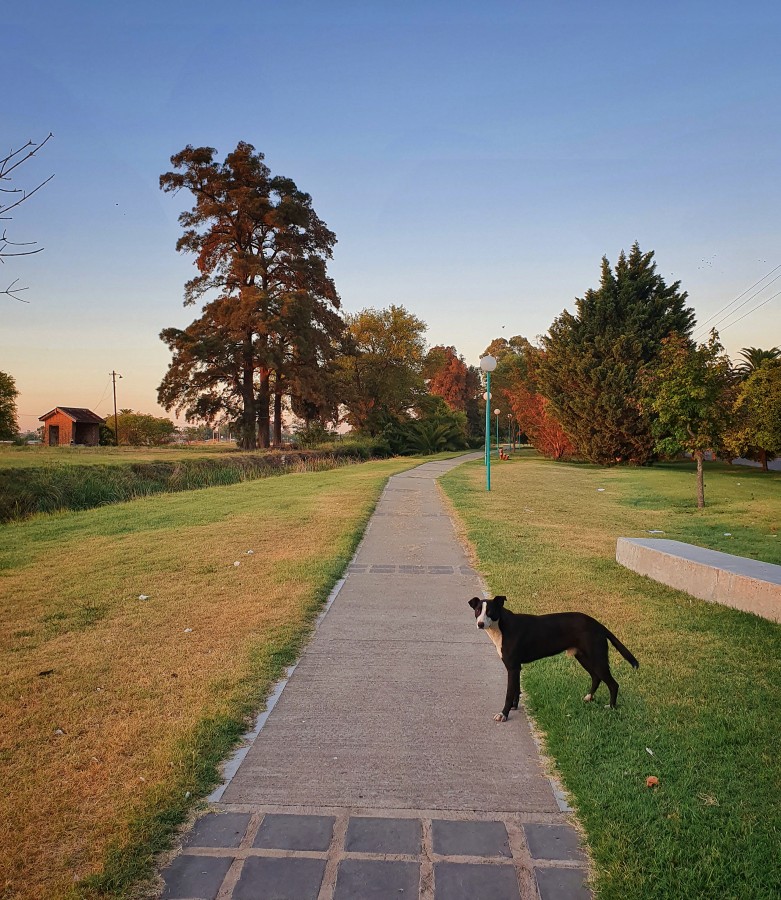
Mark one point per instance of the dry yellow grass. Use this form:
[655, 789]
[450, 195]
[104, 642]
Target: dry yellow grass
[84, 747]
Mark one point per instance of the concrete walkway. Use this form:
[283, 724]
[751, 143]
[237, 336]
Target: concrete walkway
[380, 773]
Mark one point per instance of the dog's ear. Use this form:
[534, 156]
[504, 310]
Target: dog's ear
[475, 602]
[500, 599]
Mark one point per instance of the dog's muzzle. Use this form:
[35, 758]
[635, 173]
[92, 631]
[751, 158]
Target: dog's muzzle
[481, 624]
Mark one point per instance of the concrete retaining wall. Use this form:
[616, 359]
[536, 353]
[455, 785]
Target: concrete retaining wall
[745, 584]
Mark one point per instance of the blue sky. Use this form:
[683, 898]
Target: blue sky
[475, 160]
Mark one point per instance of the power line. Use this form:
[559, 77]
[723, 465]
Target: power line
[747, 300]
[724, 308]
[750, 311]
[103, 394]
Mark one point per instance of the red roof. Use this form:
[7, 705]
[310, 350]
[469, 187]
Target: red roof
[77, 413]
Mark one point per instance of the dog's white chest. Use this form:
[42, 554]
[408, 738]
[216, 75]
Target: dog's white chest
[496, 636]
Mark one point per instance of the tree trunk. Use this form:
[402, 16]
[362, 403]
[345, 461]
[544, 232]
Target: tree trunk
[247, 436]
[278, 410]
[264, 421]
[698, 454]
[763, 460]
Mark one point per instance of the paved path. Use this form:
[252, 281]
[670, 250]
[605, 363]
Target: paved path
[380, 773]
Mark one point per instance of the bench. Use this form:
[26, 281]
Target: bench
[735, 581]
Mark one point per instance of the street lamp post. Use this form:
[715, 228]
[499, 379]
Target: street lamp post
[510, 430]
[498, 449]
[488, 364]
[487, 448]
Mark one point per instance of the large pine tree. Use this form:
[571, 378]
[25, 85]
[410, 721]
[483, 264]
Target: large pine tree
[589, 372]
[262, 250]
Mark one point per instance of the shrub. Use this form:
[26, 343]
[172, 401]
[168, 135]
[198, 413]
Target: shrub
[45, 489]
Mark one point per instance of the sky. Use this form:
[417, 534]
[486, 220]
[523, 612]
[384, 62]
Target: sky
[475, 160]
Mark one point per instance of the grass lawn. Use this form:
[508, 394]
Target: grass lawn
[12, 457]
[116, 709]
[702, 712]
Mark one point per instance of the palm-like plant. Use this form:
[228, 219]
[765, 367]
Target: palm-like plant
[428, 437]
[753, 357]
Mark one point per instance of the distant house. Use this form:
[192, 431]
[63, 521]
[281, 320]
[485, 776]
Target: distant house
[66, 425]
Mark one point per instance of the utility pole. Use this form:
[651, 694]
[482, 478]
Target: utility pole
[114, 376]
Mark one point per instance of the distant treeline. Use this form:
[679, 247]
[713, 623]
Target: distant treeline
[52, 488]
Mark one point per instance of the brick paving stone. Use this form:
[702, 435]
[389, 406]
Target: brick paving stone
[470, 838]
[195, 877]
[553, 842]
[365, 879]
[289, 878]
[467, 881]
[219, 830]
[562, 884]
[370, 835]
[289, 832]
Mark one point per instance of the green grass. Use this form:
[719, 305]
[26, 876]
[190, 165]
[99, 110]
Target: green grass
[705, 700]
[116, 711]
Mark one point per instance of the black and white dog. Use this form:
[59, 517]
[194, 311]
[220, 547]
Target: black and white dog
[522, 638]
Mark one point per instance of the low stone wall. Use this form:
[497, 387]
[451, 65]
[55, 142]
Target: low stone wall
[735, 581]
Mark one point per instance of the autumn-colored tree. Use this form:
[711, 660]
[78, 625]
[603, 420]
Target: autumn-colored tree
[205, 379]
[514, 382]
[448, 376]
[448, 381]
[689, 391]
[261, 248]
[757, 427]
[534, 417]
[381, 378]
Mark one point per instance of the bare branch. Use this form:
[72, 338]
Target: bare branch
[25, 196]
[4, 172]
[12, 291]
[17, 196]
[4, 242]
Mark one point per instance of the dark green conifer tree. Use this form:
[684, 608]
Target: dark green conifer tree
[589, 371]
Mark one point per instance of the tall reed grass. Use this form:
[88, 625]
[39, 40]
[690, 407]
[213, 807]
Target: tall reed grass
[52, 488]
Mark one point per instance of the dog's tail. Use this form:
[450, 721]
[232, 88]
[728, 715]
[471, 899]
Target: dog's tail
[622, 649]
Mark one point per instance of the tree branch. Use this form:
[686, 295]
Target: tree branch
[9, 164]
[12, 291]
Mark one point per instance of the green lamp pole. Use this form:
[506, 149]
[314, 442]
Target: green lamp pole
[498, 449]
[488, 364]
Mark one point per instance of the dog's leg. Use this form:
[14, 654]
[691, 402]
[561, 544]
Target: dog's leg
[599, 667]
[587, 664]
[517, 698]
[612, 686]
[513, 679]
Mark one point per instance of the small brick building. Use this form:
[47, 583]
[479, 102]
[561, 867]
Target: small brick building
[66, 425]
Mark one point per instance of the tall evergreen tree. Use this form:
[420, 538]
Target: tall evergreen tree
[262, 249]
[589, 371]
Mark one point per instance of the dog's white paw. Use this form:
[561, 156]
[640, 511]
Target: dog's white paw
[588, 698]
[500, 717]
